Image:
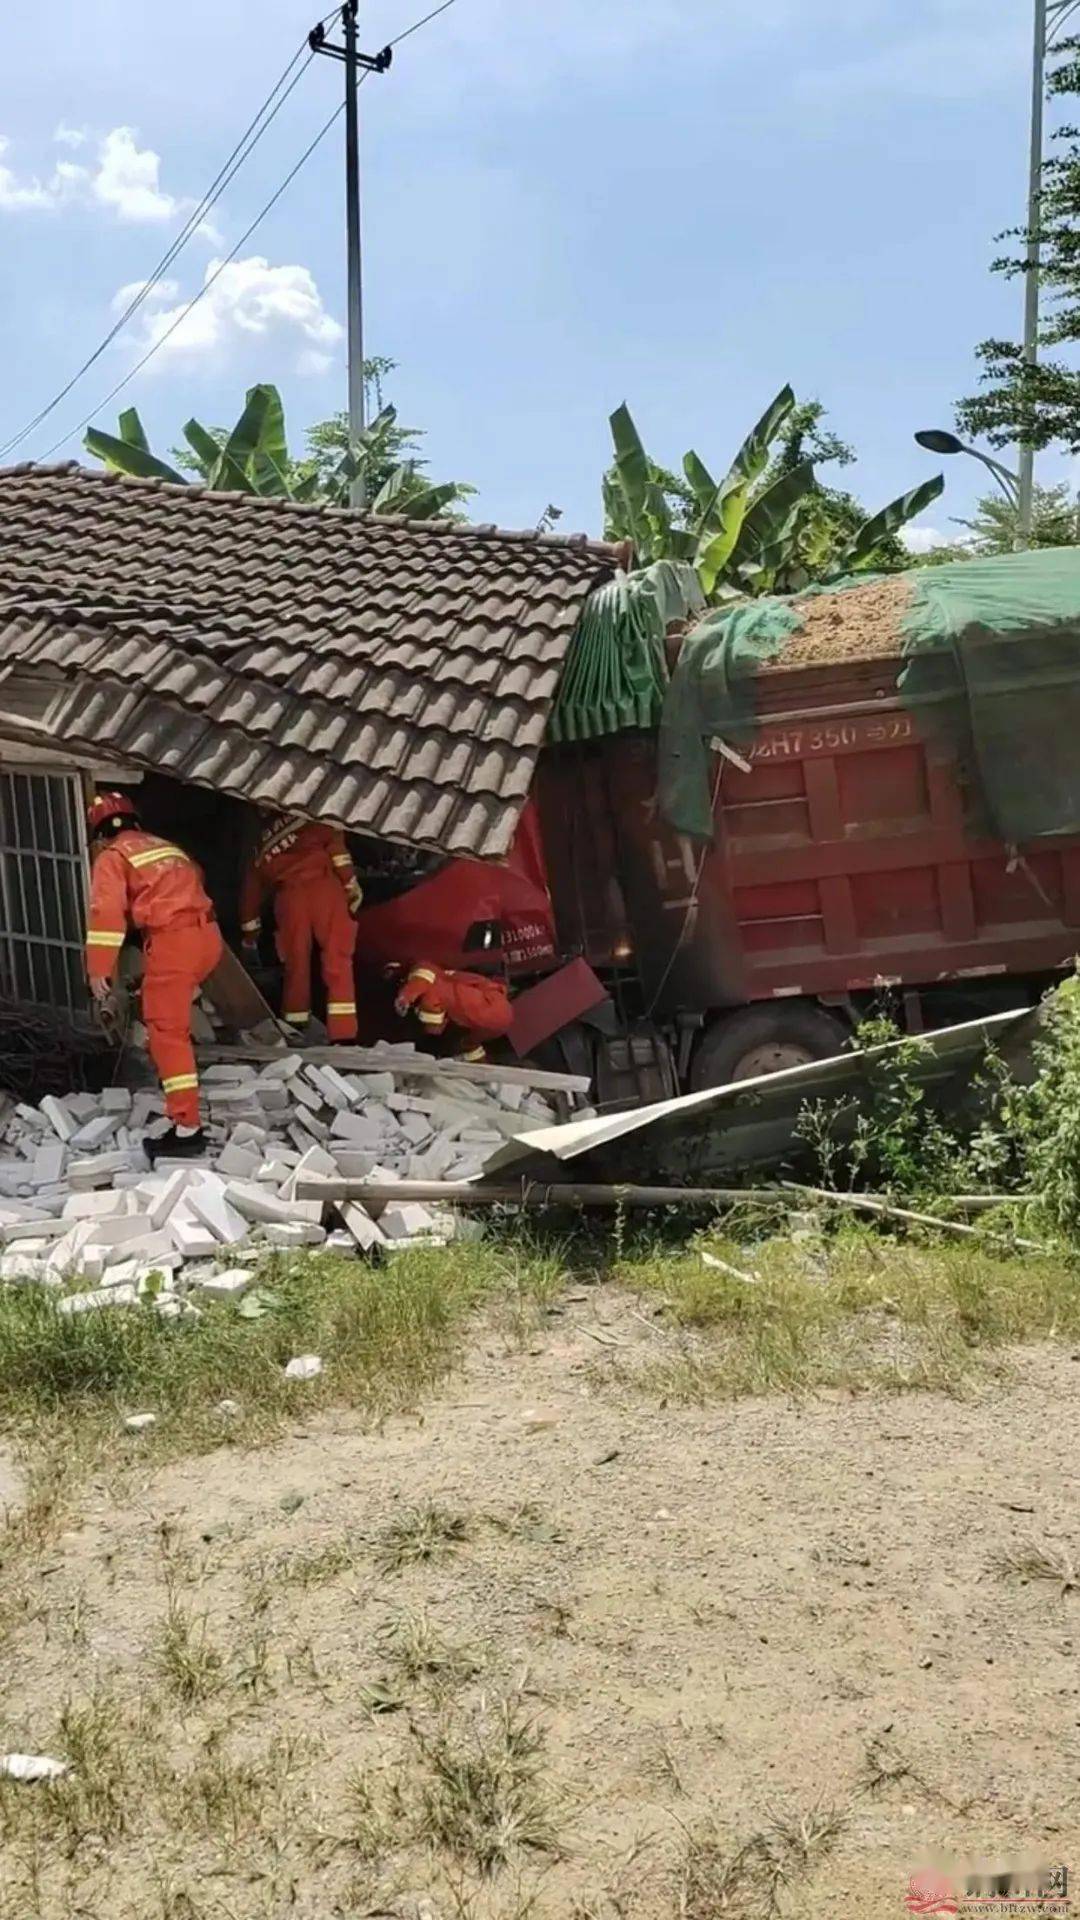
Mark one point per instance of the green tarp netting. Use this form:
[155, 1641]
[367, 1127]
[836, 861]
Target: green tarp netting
[991, 653]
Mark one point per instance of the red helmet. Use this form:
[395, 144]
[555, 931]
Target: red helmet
[108, 806]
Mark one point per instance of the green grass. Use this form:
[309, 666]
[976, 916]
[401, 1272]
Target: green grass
[862, 1311]
[384, 1333]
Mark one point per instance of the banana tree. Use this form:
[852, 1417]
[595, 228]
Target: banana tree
[739, 533]
[254, 458]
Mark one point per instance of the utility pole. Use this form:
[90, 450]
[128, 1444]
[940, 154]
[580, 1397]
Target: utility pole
[1032, 262]
[354, 63]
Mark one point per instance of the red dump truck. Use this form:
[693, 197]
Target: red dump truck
[843, 864]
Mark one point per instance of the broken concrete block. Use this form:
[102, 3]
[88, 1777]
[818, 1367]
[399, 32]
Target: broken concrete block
[255, 1202]
[354, 1164]
[94, 1133]
[317, 1160]
[294, 1233]
[402, 1222]
[67, 1252]
[231, 1283]
[209, 1203]
[245, 1134]
[360, 1226]
[50, 1160]
[97, 1171]
[275, 1098]
[433, 1162]
[241, 1162]
[95, 1204]
[190, 1237]
[358, 1130]
[25, 1269]
[169, 1194]
[229, 1073]
[62, 1122]
[306, 1366]
[115, 1099]
[119, 1230]
[100, 1298]
[283, 1068]
[32, 1766]
[308, 1095]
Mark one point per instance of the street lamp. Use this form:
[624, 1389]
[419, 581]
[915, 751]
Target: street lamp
[938, 440]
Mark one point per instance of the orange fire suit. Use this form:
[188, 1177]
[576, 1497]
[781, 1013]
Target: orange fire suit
[441, 998]
[316, 893]
[158, 888]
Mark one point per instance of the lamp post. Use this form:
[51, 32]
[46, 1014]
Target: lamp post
[1050, 17]
[939, 440]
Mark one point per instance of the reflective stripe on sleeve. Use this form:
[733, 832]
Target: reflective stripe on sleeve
[105, 939]
[180, 1082]
[297, 1019]
[152, 855]
[341, 1006]
[423, 973]
[341, 859]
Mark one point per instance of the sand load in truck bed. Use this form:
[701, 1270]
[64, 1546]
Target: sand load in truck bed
[861, 623]
[987, 652]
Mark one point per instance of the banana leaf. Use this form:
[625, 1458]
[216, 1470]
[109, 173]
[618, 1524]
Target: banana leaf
[769, 515]
[206, 449]
[244, 440]
[125, 457]
[702, 484]
[132, 430]
[307, 488]
[753, 456]
[428, 504]
[268, 478]
[715, 548]
[860, 552]
[631, 473]
[272, 439]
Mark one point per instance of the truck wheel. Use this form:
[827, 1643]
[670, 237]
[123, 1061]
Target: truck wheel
[764, 1039]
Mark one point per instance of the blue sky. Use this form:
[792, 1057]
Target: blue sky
[568, 203]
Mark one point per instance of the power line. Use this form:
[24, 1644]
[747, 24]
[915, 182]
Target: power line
[230, 256]
[417, 24]
[213, 193]
[203, 290]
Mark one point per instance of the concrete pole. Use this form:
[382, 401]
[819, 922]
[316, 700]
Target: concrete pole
[1032, 256]
[355, 300]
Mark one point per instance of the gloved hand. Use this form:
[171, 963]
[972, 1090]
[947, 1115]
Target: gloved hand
[354, 894]
[101, 990]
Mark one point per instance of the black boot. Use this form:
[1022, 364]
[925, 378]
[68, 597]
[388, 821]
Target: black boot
[174, 1146]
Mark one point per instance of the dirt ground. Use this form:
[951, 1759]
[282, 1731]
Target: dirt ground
[759, 1624]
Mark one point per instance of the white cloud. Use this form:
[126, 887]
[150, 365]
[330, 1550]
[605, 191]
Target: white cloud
[124, 178]
[127, 179]
[924, 539]
[248, 299]
[16, 196]
[66, 136]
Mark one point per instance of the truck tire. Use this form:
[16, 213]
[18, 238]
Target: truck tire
[764, 1039]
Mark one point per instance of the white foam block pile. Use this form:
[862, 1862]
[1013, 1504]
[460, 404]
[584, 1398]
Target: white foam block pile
[83, 1211]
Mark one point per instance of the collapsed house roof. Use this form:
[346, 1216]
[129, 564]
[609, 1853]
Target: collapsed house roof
[390, 675]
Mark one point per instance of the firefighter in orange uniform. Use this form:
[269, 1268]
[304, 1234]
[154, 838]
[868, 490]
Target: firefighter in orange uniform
[440, 998]
[138, 879]
[316, 893]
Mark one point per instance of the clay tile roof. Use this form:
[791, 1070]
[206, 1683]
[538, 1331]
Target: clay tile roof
[391, 675]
